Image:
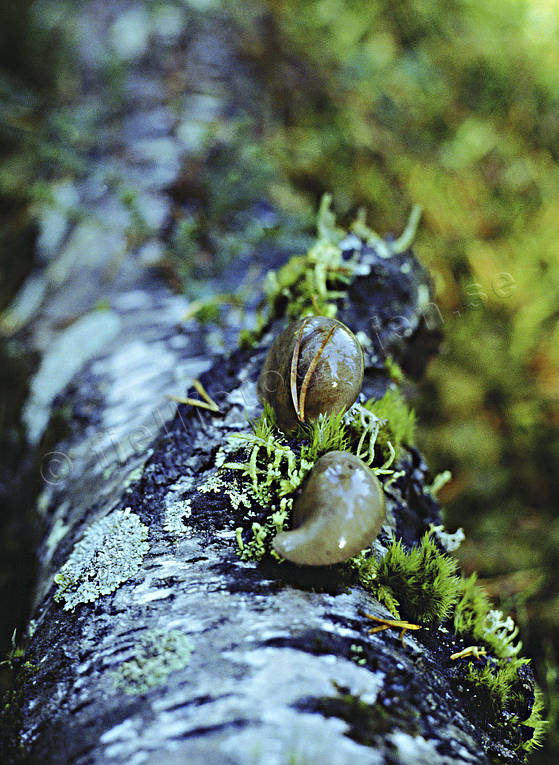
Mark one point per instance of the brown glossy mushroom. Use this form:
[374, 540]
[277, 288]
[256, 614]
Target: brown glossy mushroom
[340, 512]
[314, 366]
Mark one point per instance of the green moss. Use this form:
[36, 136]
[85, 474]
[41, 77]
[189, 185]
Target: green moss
[500, 681]
[420, 584]
[261, 471]
[537, 723]
[393, 370]
[475, 618]
[476, 621]
[266, 473]
[156, 654]
[313, 283]
[110, 552]
[357, 654]
[498, 678]
[11, 747]
[139, 229]
[399, 419]
[310, 284]
[14, 660]
[248, 338]
[326, 434]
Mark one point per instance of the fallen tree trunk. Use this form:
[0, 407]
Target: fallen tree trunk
[160, 645]
[150, 639]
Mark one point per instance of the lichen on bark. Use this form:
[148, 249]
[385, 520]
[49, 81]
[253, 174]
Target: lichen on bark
[109, 553]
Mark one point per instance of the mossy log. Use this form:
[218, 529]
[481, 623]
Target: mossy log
[156, 643]
[150, 640]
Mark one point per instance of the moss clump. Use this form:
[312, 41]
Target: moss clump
[420, 584]
[11, 747]
[156, 654]
[399, 419]
[308, 284]
[501, 680]
[313, 283]
[498, 678]
[264, 474]
[111, 551]
[476, 620]
[537, 723]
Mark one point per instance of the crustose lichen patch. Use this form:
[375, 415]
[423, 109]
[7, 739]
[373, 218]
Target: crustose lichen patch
[110, 552]
[156, 654]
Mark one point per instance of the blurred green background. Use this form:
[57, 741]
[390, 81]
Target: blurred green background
[453, 105]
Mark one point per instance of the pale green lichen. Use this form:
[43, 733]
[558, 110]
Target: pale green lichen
[57, 533]
[440, 480]
[387, 249]
[450, 542]
[175, 514]
[110, 552]
[156, 654]
[134, 476]
[217, 483]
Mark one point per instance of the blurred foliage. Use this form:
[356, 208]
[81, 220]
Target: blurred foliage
[220, 209]
[454, 106]
[33, 140]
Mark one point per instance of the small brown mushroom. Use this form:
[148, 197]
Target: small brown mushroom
[314, 366]
[338, 514]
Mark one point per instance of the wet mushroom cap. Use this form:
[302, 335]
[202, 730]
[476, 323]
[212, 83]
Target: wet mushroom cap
[314, 366]
[340, 512]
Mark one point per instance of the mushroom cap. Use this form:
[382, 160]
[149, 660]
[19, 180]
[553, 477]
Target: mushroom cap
[340, 512]
[315, 366]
